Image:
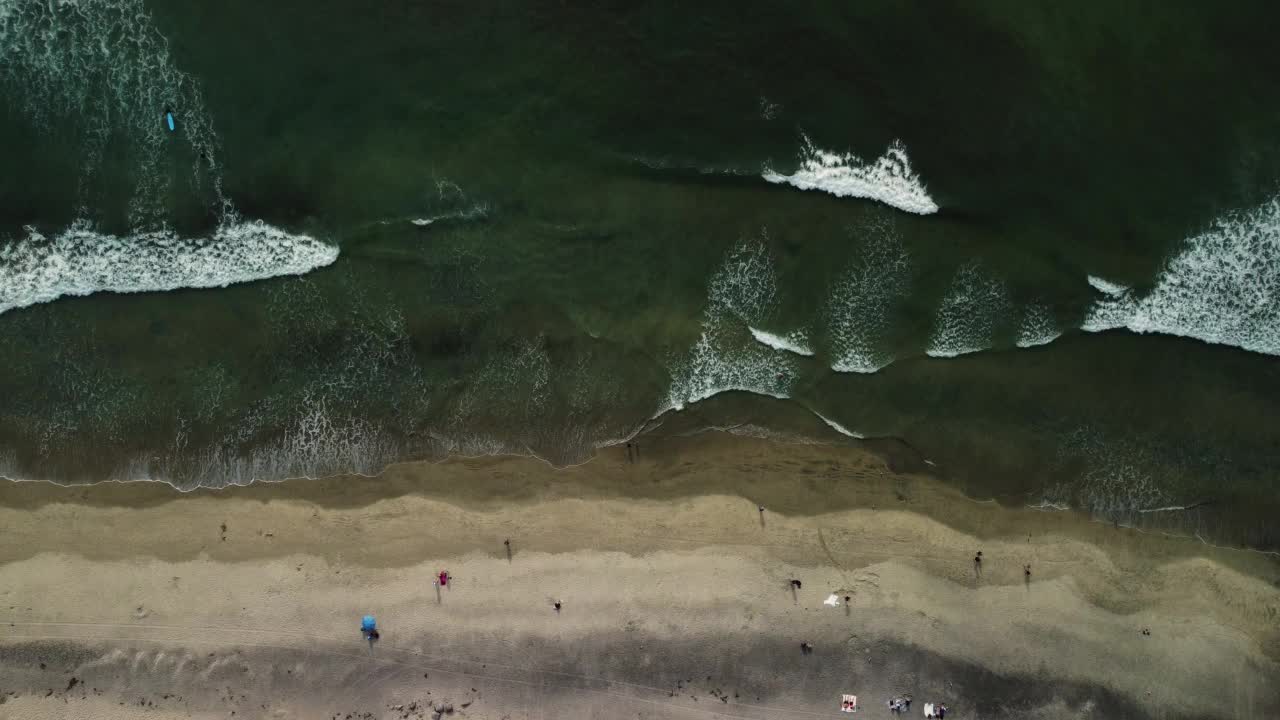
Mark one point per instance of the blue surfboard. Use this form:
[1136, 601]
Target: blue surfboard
[169, 117]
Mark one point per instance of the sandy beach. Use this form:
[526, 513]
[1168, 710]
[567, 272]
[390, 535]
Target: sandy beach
[133, 600]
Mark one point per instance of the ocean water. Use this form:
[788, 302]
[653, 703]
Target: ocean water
[1040, 247]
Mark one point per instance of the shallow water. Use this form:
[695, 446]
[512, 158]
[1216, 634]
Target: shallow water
[1042, 247]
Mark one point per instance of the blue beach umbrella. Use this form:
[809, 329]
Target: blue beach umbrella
[368, 624]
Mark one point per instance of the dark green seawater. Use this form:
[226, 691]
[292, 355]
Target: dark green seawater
[1038, 244]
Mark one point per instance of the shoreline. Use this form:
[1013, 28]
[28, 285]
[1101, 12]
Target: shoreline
[602, 476]
[668, 574]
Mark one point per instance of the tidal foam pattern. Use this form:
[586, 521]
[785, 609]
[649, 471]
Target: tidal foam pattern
[726, 356]
[860, 304]
[1038, 326]
[974, 306]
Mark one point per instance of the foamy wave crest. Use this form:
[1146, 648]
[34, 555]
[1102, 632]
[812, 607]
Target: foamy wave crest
[1038, 326]
[859, 308]
[1223, 287]
[79, 261]
[974, 306]
[889, 179]
[726, 356]
[793, 342]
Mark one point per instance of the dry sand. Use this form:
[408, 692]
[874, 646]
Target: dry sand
[131, 600]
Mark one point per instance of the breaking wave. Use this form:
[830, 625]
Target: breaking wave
[79, 261]
[889, 179]
[1223, 287]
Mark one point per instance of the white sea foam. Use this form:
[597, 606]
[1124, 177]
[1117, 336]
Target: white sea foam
[794, 341]
[888, 180]
[973, 308]
[79, 261]
[1038, 326]
[726, 356]
[1222, 287]
[861, 302]
[838, 427]
[317, 442]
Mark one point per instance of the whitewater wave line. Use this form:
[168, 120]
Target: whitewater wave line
[79, 261]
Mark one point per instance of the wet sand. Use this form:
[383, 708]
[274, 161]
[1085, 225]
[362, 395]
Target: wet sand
[132, 600]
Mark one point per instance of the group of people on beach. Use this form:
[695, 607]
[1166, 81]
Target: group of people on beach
[897, 706]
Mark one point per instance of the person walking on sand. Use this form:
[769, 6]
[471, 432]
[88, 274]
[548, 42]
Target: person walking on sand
[444, 578]
[556, 605]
